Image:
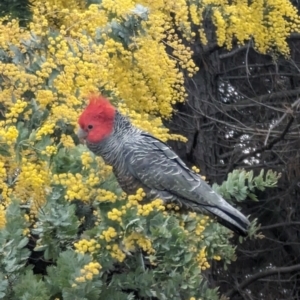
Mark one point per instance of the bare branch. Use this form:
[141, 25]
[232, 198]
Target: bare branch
[261, 99]
[265, 147]
[233, 52]
[295, 104]
[260, 275]
[279, 225]
[237, 77]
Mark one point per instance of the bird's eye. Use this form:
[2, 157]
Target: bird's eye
[90, 126]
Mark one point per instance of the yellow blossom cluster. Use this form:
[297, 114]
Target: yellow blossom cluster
[6, 191]
[86, 246]
[97, 216]
[116, 252]
[26, 232]
[16, 79]
[88, 272]
[140, 240]
[106, 196]
[128, 81]
[49, 150]
[67, 141]
[108, 234]
[104, 171]
[202, 259]
[44, 97]
[217, 257]
[86, 159]
[201, 225]
[60, 4]
[76, 188]
[269, 23]
[195, 14]
[27, 217]
[137, 197]
[184, 54]
[82, 187]
[2, 170]
[15, 110]
[32, 183]
[92, 179]
[8, 135]
[75, 59]
[173, 206]
[2, 216]
[10, 33]
[221, 27]
[10, 172]
[195, 169]
[146, 209]
[134, 202]
[116, 214]
[46, 129]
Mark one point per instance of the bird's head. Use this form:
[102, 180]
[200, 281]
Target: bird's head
[97, 120]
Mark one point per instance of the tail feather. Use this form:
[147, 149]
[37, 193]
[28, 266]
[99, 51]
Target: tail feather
[230, 217]
[226, 214]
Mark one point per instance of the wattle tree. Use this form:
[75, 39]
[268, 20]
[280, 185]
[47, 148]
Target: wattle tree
[67, 229]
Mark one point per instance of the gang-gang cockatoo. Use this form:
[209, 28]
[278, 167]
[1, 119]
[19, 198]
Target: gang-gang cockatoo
[140, 160]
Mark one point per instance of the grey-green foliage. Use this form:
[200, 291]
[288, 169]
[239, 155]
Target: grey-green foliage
[170, 272]
[13, 255]
[60, 278]
[57, 226]
[241, 184]
[30, 287]
[3, 286]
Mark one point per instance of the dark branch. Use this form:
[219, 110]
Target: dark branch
[269, 146]
[279, 225]
[233, 52]
[260, 275]
[261, 99]
[240, 77]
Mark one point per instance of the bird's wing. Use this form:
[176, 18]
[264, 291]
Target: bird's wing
[158, 167]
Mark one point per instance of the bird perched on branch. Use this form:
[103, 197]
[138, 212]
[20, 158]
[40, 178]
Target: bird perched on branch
[140, 160]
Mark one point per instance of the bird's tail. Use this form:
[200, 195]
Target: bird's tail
[226, 214]
[230, 217]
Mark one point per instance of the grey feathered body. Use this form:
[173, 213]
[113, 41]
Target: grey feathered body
[139, 160]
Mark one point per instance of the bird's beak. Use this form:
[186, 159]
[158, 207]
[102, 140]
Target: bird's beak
[81, 134]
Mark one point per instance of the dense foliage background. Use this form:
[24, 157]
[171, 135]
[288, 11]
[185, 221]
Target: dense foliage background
[218, 80]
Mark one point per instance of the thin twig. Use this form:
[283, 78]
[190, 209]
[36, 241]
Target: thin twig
[233, 52]
[278, 225]
[289, 111]
[260, 275]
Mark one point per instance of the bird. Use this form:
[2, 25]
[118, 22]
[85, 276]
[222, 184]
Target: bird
[140, 160]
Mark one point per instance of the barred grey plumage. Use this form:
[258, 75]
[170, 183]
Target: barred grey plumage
[139, 160]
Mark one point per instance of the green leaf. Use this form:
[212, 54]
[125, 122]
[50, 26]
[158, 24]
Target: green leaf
[3, 286]
[37, 290]
[23, 243]
[52, 76]
[252, 196]
[4, 150]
